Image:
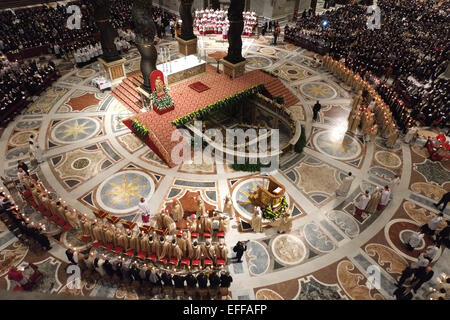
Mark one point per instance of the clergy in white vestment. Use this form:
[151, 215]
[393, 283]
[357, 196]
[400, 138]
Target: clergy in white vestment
[431, 252]
[35, 152]
[415, 240]
[21, 174]
[385, 197]
[432, 225]
[144, 210]
[345, 186]
[411, 135]
[361, 203]
[394, 183]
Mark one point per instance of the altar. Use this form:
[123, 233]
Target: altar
[182, 68]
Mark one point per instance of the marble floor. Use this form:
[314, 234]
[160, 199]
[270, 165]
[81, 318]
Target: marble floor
[91, 158]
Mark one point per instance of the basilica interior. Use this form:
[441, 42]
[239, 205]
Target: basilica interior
[121, 193]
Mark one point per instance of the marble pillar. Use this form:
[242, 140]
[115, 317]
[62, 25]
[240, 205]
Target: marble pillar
[145, 31]
[215, 4]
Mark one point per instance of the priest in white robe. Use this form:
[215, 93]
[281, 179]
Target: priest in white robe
[361, 203]
[144, 210]
[385, 198]
[344, 188]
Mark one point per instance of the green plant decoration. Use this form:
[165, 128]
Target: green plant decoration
[140, 129]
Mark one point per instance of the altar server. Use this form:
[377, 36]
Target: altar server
[361, 203]
[385, 198]
[144, 210]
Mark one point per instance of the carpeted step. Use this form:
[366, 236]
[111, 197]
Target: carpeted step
[277, 88]
[126, 102]
[136, 81]
[126, 89]
[130, 94]
[132, 82]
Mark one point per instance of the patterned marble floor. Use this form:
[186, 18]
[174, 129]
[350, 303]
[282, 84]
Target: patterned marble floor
[93, 161]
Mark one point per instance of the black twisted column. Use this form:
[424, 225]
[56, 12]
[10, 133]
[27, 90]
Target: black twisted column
[145, 31]
[215, 4]
[187, 30]
[234, 35]
[102, 17]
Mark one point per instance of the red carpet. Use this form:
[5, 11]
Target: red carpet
[187, 101]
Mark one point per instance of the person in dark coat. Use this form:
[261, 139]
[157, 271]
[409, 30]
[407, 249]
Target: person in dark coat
[43, 241]
[444, 200]
[406, 274]
[107, 266]
[69, 255]
[316, 109]
[214, 280]
[239, 248]
[179, 281]
[134, 272]
[202, 281]
[403, 293]
[422, 276]
[118, 268]
[191, 280]
[442, 238]
[155, 279]
[225, 280]
[264, 29]
[167, 279]
[276, 34]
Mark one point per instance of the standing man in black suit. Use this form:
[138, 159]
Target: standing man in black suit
[444, 200]
[316, 110]
[240, 248]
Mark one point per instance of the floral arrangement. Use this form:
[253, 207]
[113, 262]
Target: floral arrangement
[164, 102]
[279, 100]
[272, 215]
[249, 167]
[270, 73]
[226, 102]
[139, 128]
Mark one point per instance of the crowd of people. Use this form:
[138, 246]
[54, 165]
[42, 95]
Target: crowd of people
[21, 226]
[421, 271]
[26, 28]
[145, 276]
[163, 20]
[410, 47]
[87, 54]
[208, 21]
[149, 279]
[19, 82]
[186, 254]
[45, 27]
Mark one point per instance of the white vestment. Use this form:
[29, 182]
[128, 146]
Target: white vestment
[415, 239]
[385, 196]
[362, 201]
[144, 208]
[345, 186]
